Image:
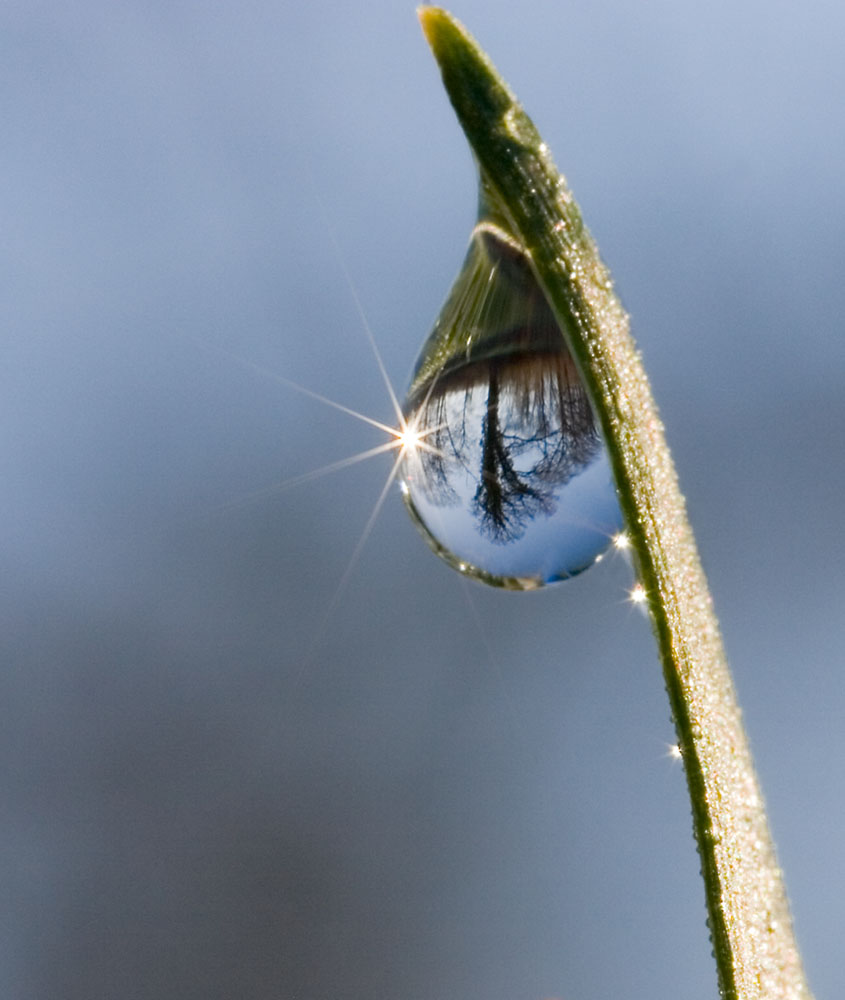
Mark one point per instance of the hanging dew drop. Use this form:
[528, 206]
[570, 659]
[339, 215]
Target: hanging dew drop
[504, 469]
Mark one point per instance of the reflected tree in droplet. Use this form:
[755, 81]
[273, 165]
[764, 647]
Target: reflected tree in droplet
[512, 485]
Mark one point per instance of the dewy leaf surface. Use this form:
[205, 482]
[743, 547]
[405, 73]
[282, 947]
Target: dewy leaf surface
[749, 917]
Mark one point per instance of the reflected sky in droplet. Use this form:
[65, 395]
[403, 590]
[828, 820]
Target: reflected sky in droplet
[513, 485]
[509, 480]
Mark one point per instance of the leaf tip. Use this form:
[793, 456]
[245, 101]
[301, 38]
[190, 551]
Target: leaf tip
[438, 25]
[429, 16]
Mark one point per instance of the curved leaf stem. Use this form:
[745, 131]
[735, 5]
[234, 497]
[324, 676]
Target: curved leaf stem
[750, 924]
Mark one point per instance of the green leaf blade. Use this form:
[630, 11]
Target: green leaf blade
[749, 918]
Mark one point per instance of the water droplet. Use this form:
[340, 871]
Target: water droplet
[508, 480]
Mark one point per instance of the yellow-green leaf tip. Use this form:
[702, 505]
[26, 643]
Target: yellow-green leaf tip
[439, 27]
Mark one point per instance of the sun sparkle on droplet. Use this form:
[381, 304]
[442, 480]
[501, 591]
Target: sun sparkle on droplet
[637, 595]
[409, 438]
[622, 541]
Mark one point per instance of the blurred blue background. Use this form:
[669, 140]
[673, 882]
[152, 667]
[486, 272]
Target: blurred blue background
[221, 777]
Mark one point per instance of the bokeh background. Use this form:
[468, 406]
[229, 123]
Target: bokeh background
[220, 776]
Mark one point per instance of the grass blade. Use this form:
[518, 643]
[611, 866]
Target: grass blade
[749, 918]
